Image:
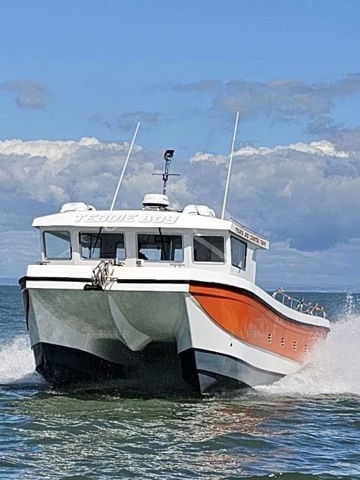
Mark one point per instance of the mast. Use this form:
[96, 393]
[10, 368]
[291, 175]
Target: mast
[160, 201]
[230, 165]
[125, 165]
[168, 156]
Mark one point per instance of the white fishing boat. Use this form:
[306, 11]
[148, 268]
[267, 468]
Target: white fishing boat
[119, 293]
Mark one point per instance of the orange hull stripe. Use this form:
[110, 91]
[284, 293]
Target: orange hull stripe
[248, 319]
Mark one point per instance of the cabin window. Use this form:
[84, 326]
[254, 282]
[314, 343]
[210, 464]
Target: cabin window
[238, 253]
[102, 245]
[57, 245]
[209, 248]
[157, 248]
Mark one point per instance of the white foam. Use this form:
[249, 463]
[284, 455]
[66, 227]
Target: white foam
[333, 367]
[17, 362]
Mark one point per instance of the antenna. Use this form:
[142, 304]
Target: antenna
[230, 165]
[168, 156]
[125, 165]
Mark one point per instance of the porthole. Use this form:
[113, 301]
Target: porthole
[282, 342]
[269, 338]
[294, 345]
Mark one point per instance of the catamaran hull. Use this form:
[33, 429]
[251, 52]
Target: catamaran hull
[210, 336]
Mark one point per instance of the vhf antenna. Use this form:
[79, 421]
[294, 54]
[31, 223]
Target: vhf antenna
[168, 156]
[230, 165]
[124, 166]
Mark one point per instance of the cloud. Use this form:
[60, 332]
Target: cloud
[28, 93]
[333, 269]
[307, 194]
[303, 196]
[207, 157]
[38, 176]
[281, 99]
[128, 120]
[342, 136]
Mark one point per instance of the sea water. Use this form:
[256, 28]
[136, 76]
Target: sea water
[306, 426]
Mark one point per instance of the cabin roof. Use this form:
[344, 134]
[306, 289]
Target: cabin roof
[141, 219]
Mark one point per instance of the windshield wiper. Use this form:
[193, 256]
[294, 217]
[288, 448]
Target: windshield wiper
[163, 251]
[96, 241]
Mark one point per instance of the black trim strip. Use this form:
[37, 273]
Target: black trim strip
[153, 280]
[23, 280]
[52, 279]
[90, 286]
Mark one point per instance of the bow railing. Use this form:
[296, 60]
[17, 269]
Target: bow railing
[299, 304]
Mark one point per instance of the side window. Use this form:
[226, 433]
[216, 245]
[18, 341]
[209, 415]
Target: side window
[103, 245]
[57, 245]
[238, 253]
[209, 248]
[157, 248]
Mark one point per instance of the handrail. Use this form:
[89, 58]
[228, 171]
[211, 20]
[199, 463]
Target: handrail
[299, 305]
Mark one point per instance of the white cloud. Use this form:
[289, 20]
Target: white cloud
[305, 197]
[323, 147]
[56, 171]
[208, 157]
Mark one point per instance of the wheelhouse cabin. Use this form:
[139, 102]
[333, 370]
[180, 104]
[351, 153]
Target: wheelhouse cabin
[193, 238]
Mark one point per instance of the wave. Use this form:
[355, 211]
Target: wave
[17, 363]
[333, 367]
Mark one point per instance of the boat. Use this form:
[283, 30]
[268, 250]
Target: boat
[126, 294]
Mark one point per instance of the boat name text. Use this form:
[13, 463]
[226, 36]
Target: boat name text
[125, 218]
[251, 237]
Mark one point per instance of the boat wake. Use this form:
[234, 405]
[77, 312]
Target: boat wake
[333, 367]
[17, 363]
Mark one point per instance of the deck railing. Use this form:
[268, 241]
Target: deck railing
[299, 304]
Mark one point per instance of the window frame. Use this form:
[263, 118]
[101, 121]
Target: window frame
[224, 237]
[178, 262]
[44, 245]
[102, 258]
[245, 256]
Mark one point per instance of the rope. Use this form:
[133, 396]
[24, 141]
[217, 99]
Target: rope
[102, 273]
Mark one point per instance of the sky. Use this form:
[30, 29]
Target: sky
[76, 76]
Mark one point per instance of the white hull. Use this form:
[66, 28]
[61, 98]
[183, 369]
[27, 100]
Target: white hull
[125, 327]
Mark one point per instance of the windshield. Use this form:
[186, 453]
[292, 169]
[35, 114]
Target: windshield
[102, 245]
[156, 248]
